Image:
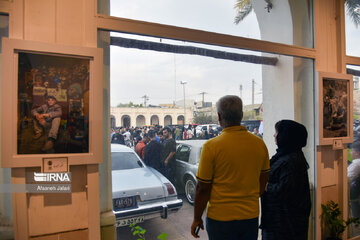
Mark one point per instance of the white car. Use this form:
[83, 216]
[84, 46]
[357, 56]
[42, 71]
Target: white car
[199, 128]
[139, 192]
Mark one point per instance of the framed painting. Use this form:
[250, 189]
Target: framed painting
[335, 109]
[51, 103]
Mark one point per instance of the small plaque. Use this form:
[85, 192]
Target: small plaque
[337, 144]
[59, 164]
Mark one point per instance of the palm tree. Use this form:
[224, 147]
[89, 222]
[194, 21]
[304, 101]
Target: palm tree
[353, 10]
[244, 7]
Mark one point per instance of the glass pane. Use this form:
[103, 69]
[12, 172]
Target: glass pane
[354, 155]
[352, 33]
[251, 19]
[124, 160]
[148, 82]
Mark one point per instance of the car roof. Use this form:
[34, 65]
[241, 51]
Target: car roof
[120, 148]
[195, 143]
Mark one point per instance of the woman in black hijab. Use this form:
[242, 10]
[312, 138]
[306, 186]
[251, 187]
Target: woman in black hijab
[286, 204]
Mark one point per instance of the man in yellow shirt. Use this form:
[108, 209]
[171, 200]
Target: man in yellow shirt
[232, 174]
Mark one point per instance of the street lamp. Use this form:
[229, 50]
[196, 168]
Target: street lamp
[183, 83]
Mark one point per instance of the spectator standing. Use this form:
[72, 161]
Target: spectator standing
[140, 147]
[256, 133]
[177, 133]
[161, 136]
[190, 133]
[168, 154]
[211, 132]
[118, 138]
[286, 204]
[153, 152]
[127, 138]
[232, 174]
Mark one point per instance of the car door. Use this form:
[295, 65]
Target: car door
[182, 161]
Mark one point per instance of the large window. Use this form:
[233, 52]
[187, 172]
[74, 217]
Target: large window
[160, 76]
[354, 155]
[288, 22]
[352, 33]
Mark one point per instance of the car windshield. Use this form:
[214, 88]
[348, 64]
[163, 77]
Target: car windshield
[124, 160]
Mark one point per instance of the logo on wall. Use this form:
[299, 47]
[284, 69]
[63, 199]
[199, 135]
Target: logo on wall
[52, 177]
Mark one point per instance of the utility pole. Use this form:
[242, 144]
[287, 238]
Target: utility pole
[203, 93]
[146, 98]
[183, 83]
[174, 79]
[253, 92]
[241, 91]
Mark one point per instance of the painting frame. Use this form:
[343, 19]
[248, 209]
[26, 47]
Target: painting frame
[334, 109]
[10, 104]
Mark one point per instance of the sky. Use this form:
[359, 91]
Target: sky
[158, 75]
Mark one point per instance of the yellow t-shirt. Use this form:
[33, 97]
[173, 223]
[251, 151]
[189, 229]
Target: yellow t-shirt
[232, 162]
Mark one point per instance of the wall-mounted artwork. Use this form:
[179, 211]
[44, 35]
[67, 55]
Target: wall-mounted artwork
[335, 108]
[51, 103]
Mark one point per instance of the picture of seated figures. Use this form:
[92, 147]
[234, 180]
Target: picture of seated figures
[53, 114]
[335, 93]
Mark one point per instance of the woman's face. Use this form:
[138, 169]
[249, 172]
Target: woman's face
[275, 135]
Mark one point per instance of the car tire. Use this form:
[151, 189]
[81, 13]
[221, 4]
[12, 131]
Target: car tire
[189, 188]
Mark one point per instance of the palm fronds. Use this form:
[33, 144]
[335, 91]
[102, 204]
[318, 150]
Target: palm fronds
[353, 10]
[243, 8]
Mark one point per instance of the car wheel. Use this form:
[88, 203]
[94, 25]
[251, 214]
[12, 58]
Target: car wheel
[190, 186]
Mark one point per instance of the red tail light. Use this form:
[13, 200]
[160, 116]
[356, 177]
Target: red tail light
[169, 188]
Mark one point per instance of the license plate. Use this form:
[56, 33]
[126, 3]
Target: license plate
[129, 221]
[126, 202]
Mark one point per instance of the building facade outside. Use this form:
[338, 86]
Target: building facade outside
[138, 117]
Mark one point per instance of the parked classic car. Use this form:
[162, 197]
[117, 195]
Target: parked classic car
[139, 192]
[187, 161]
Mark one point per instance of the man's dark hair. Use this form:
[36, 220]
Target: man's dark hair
[151, 133]
[167, 129]
[356, 146]
[230, 109]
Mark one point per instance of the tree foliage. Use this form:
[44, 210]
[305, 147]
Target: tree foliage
[353, 10]
[244, 7]
[201, 118]
[130, 104]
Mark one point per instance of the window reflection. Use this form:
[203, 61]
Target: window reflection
[354, 155]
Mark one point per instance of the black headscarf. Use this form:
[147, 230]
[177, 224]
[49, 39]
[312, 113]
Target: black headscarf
[291, 137]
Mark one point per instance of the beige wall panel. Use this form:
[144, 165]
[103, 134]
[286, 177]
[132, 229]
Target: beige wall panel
[325, 33]
[19, 205]
[78, 235]
[48, 237]
[51, 213]
[40, 21]
[16, 24]
[329, 193]
[329, 168]
[69, 22]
